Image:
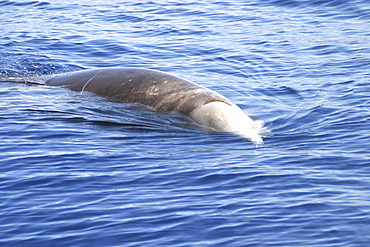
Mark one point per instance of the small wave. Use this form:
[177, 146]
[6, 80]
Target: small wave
[23, 3]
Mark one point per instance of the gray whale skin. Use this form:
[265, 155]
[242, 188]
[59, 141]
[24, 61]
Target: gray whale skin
[164, 92]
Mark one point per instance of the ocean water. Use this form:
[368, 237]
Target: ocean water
[80, 170]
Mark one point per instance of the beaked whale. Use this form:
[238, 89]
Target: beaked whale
[164, 92]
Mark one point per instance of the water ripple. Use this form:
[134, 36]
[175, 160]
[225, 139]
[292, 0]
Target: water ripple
[80, 170]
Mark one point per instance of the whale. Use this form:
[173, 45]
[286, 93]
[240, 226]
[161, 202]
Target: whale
[164, 93]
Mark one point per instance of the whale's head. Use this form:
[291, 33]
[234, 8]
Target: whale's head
[227, 117]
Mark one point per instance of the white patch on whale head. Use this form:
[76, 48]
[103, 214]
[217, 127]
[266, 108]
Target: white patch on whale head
[223, 117]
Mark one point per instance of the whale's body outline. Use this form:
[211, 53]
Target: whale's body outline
[163, 92]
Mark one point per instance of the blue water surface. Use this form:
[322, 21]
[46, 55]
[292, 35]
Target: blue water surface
[80, 170]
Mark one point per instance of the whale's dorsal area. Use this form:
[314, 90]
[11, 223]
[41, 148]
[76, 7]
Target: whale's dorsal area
[163, 92]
